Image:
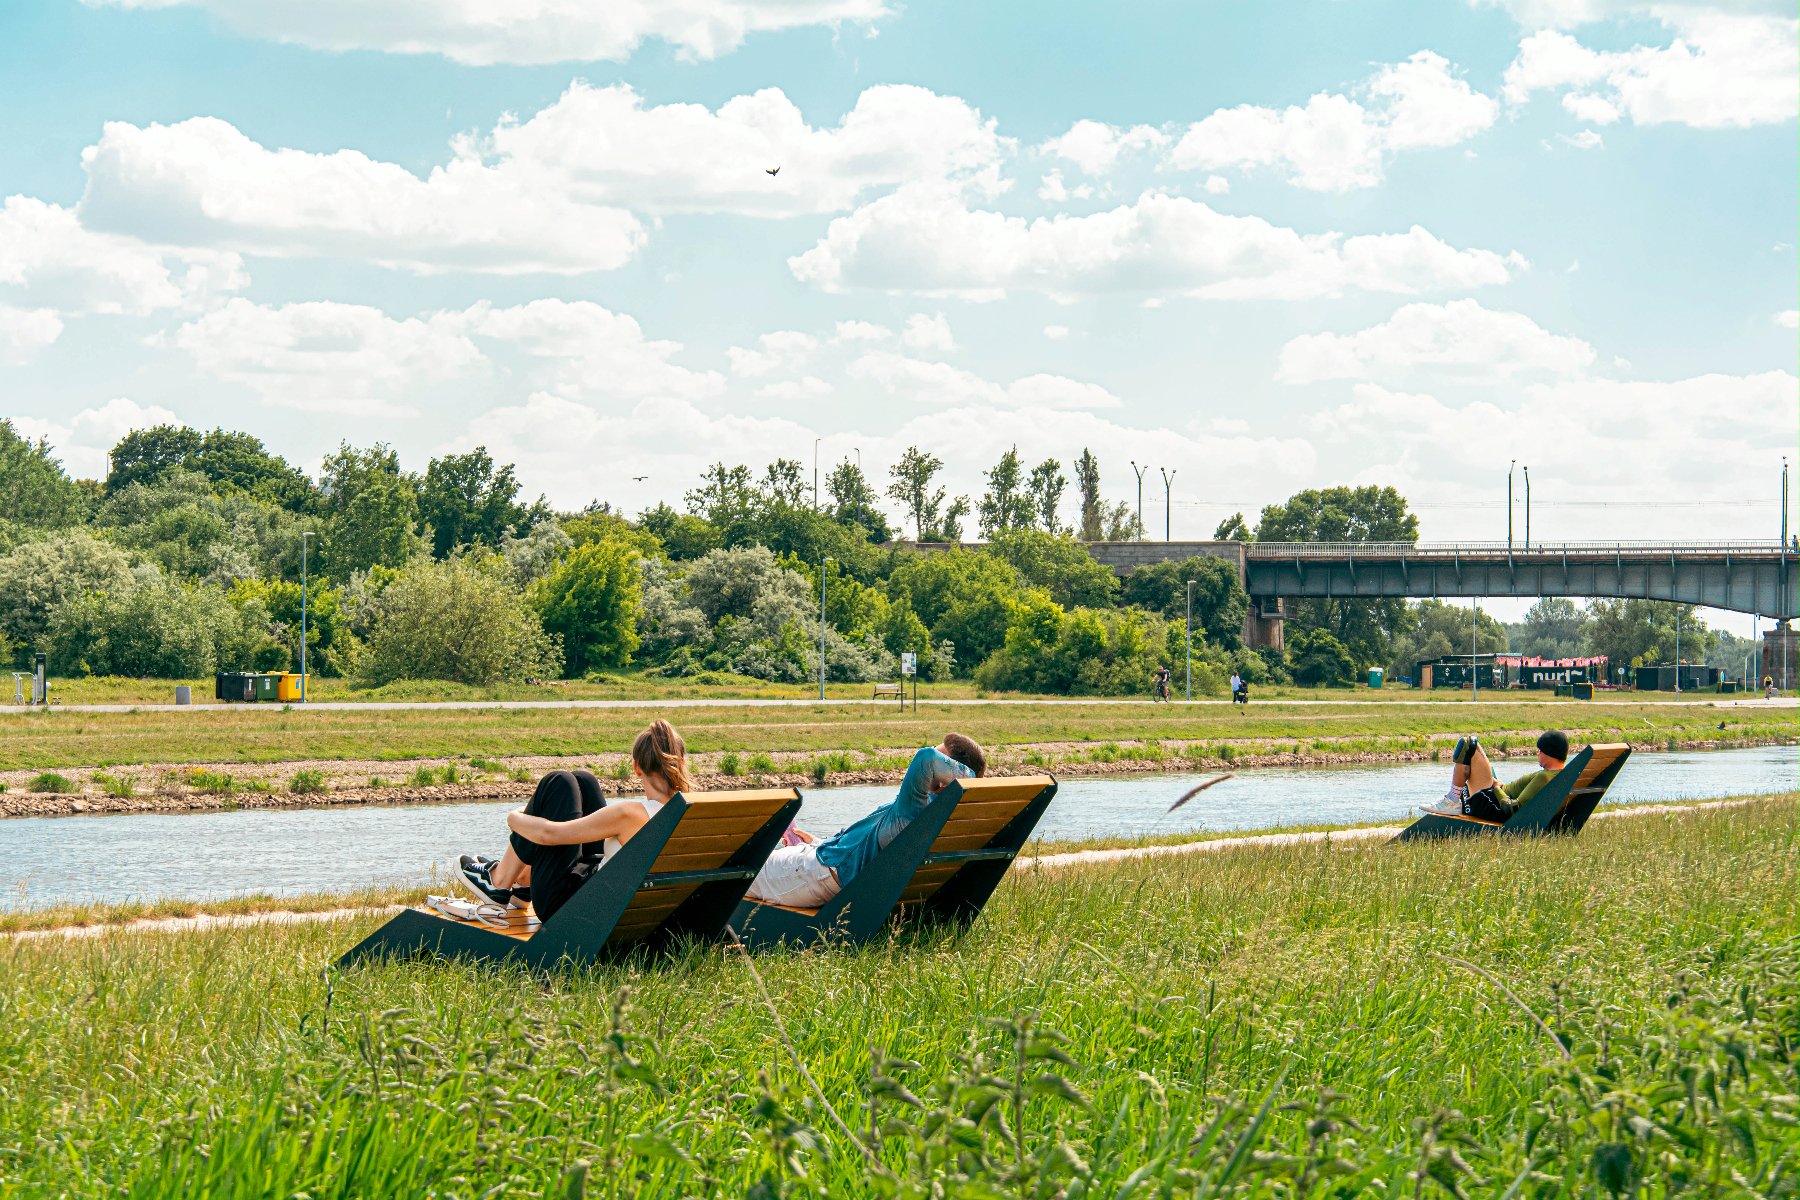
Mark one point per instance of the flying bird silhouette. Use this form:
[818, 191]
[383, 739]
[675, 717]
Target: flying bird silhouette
[772, 171]
[639, 478]
[1197, 789]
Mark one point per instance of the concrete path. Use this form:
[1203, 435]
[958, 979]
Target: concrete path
[1045, 862]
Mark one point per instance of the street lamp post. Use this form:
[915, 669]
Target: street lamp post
[1140, 511]
[1168, 482]
[1474, 664]
[1678, 649]
[304, 543]
[1509, 474]
[816, 442]
[822, 562]
[1190, 641]
[1527, 508]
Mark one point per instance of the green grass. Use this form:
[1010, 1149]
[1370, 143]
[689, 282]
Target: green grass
[51, 784]
[1276, 1021]
[122, 787]
[307, 782]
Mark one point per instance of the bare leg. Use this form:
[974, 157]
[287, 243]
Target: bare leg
[1459, 777]
[510, 871]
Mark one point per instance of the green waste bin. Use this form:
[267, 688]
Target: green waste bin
[1582, 691]
[268, 687]
[1375, 677]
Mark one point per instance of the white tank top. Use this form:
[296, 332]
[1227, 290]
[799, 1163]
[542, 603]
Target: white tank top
[651, 808]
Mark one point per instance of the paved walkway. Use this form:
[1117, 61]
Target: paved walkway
[1046, 862]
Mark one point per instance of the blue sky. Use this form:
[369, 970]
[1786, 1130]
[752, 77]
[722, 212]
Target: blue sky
[1267, 246]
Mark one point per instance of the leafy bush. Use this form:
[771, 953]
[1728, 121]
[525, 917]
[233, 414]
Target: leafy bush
[760, 762]
[591, 600]
[211, 782]
[40, 576]
[52, 784]
[121, 786]
[728, 763]
[461, 620]
[158, 629]
[307, 782]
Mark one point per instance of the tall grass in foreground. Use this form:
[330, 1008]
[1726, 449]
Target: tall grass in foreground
[1611, 1015]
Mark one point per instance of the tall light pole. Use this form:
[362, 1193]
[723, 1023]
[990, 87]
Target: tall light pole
[858, 450]
[1678, 649]
[1140, 516]
[816, 442]
[1509, 474]
[304, 543]
[822, 562]
[1474, 666]
[1528, 508]
[1190, 641]
[1168, 482]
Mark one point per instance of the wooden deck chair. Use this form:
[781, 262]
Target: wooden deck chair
[680, 876]
[940, 869]
[1562, 805]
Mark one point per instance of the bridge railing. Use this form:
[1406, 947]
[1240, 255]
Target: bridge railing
[1338, 550]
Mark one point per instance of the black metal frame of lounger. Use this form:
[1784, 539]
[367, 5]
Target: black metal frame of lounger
[581, 930]
[1559, 807]
[860, 911]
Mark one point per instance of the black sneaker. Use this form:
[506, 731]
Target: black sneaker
[472, 873]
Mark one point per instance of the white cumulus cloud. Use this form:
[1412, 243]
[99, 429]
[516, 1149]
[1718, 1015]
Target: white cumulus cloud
[83, 441]
[49, 260]
[1460, 335]
[1788, 319]
[1337, 142]
[937, 383]
[925, 241]
[25, 331]
[784, 348]
[928, 332]
[1096, 147]
[483, 32]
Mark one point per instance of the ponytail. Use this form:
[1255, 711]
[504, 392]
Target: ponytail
[659, 750]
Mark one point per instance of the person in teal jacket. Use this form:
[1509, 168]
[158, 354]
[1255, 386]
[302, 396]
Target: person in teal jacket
[807, 874]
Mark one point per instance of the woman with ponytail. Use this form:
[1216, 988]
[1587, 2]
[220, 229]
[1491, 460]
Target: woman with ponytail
[562, 832]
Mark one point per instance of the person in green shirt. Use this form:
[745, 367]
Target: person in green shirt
[1474, 792]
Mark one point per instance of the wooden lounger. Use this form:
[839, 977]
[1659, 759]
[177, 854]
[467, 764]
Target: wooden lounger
[680, 876]
[940, 869]
[1561, 806]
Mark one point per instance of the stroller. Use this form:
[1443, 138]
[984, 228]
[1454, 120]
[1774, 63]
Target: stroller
[1242, 695]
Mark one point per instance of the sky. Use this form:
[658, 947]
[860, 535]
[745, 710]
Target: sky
[1264, 247]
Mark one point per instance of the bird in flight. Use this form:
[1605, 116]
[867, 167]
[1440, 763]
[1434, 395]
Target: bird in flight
[772, 171]
[639, 478]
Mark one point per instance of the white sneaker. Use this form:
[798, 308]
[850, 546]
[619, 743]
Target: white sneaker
[1450, 806]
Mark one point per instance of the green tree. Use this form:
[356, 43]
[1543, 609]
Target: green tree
[1045, 488]
[458, 619]
[1083, 651]
[1006, 504]
[961, 596]
[1554, 627]
[1431, 629]
[1341, 514]
[949, 526]
[40, 576]
[683, 536]
[853, 501]
[146, 455]
[280, 600]
[1093, 509]
[1635, 633]
[1220, 602]
[370, 509]
[725, 498]
[1319, 659]
[239, 462]
[35, 491]
[910, 488]
[591, 600]
[1059, 565]
[783, 482]
[162, 629]
[466, 501]
[1233, 529]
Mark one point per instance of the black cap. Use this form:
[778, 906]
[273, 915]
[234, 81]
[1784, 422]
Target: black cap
[1555, 743]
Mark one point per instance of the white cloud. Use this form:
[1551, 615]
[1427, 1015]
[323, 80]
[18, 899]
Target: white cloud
[49, 260]
[928, 333]
[83, 442]
[937, 383]
[783, 349]
[25, 331]
[1721, 70]
[1587, 139]
[1056, 333]
[1461, 335]
[482, 32]
[1216, 185]
[1095, 147]
[329, 357]
[602, 145]
[202, 182]
[923, 240]
[1789, 319]
[860, 331]
[1337, 142]
[808, 387]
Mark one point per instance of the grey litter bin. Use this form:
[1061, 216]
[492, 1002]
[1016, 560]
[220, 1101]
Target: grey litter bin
[183, 695]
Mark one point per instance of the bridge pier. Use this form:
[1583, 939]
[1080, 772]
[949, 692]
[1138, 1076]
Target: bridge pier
[1778, 657]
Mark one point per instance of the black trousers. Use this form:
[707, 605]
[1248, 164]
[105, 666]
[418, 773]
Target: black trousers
[1489, 805]
[560, 796]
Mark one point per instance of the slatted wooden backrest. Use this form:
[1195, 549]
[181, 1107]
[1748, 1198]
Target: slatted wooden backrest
[1605, 755]
[715, 827]
[987, 806]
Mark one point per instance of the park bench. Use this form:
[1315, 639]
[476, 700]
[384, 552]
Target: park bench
[939, 870]
[895, 690]
[679, 877]
[1562, 805]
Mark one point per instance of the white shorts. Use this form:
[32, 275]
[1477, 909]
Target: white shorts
[794, 877]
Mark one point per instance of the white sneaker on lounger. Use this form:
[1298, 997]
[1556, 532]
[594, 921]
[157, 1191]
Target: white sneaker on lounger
[1450, 806]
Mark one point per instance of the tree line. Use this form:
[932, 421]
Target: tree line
[187, 558]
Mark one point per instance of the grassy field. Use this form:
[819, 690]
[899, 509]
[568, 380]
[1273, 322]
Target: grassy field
[49, 739]
[1609, 1015]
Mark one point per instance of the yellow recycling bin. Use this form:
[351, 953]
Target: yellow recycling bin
[287, 686]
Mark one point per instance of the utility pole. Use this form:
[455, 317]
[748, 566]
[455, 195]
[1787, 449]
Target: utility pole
[1678, 649]
[304, 543]
[1528, 509]
[1190, 641]
[816, 442]
[1781, 592]
[1474, 666]
[1509, 474]
[1140, 516]
[1168, 482]
[822, 561]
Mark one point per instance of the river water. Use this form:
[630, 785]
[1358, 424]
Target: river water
[114, 858]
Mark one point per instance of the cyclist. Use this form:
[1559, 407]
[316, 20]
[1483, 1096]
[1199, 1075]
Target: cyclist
[1162, 683]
